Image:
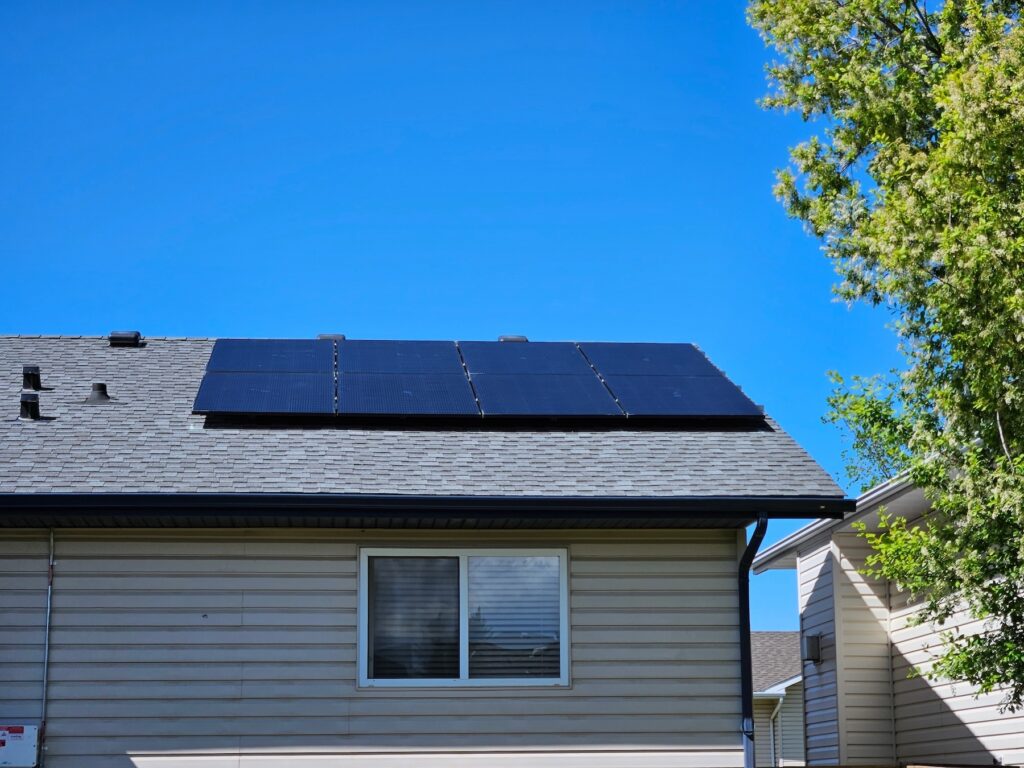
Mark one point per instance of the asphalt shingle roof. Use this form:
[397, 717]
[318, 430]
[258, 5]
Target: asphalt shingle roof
[148, 441]
[775, 656]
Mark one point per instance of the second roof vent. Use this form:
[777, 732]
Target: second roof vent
[125, 339]
[31, 378]
[98, 395]
[29, 406]
[512, 338]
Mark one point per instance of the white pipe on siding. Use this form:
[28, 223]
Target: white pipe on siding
[771, 729]
[46, 657]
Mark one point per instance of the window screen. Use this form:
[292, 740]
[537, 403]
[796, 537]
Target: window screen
[513, 617]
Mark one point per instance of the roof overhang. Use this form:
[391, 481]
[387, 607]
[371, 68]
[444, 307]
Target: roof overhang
[898, 496]
[778, 690]
[403, 511]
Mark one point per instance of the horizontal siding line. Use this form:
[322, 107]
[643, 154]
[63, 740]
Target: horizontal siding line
[654, 592]
[210, 646]
[487, 694]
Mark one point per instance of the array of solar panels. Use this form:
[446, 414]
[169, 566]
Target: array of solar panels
[466, 379]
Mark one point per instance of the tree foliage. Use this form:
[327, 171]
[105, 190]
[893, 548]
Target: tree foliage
[914, 182]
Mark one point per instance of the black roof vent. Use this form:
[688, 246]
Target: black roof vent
[125, 339]
[512, 338]
[29, 406]
[331, 336]
[98, 395]
[31, 378]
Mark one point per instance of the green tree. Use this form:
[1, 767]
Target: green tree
[913, 180]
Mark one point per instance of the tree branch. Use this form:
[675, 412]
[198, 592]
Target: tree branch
[936, 46]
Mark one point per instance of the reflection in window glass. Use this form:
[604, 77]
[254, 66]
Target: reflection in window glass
[413, 617]
[514, 617]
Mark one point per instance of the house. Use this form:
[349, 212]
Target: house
[331, 552]
[861, 707]
[778, 698]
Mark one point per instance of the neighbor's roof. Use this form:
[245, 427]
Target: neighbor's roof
[149, 441]
[776, 658]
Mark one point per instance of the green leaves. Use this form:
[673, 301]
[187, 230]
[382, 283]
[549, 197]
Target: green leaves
[914, 181]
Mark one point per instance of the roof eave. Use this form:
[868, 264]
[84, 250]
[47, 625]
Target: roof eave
[782, 554]
[778, 689]
[670, 511]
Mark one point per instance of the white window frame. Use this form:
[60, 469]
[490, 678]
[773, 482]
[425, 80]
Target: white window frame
[464, 680]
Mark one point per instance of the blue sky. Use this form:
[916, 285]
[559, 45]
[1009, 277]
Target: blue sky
[583, 170]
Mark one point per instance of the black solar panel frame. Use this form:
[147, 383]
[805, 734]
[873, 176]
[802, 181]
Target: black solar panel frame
[275, 393]
[403, 395]
[272, 356]
[399, 356]
[527, 358]
[699, 397]
[647, 359]
[501, 398]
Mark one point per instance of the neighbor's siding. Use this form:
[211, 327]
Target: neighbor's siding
[789, 729]
[230, 648]
[763, 709]
[817, 616]
[865, 707]
[944, 721]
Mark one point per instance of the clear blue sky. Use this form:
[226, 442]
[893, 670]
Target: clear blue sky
[582, 170]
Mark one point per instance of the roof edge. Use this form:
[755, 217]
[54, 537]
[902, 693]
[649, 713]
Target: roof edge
[731, 507]
[782, 550]
[778, 689]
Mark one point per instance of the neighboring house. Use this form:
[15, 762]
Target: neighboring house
[861, 706]
[345, 553]
[778, 698]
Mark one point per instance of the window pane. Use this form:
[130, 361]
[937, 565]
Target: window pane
[413, 617]
[514, 617]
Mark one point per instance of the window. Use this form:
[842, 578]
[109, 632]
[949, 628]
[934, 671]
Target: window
[463, 617]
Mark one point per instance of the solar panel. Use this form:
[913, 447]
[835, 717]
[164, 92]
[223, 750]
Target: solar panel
[406, 394]
[278, 355]
[648, 359]
[534, 357]
[547, 395]
[428, 378]
[700, 396]
[399, 357]
[266, 393]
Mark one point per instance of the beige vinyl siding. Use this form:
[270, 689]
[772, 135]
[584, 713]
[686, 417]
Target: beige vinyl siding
[763, 709]
[817, 617]
[862, 620]
[789, 729]
[944, 721]
[218, 648]
[23, 568]
[788, 726]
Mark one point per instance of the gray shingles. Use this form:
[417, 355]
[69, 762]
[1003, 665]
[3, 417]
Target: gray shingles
[775, 656]
[148, 440]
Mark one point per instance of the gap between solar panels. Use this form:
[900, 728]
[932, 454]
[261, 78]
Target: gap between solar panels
[469, 380]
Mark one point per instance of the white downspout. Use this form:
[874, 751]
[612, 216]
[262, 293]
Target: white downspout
[46, 657]
[771, 729]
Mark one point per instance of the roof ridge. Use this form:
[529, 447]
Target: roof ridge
[98, 337]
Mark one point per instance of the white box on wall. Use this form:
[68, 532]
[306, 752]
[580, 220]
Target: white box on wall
[19, 746]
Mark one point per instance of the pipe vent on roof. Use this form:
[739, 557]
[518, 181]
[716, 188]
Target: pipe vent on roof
[331, 336]
[512, 338]
[125, 339]
[29, 406]
[31, 378]
[98, 395]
